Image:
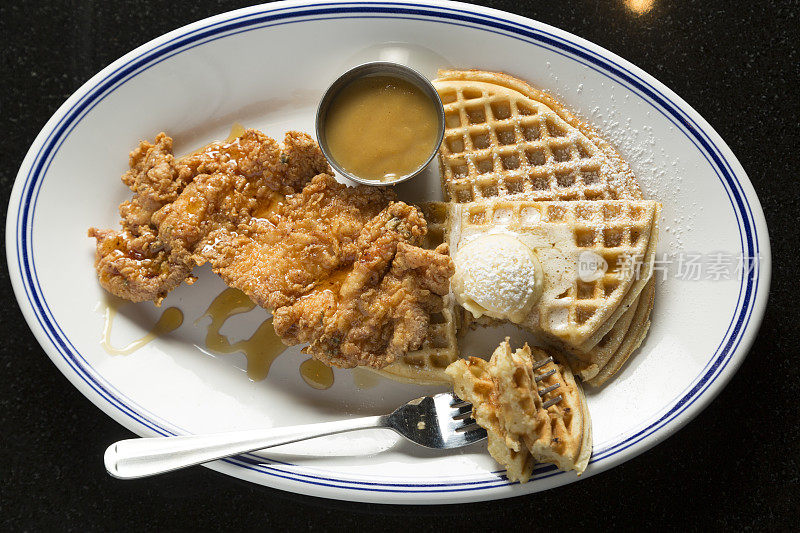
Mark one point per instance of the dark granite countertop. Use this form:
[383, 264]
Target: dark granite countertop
[734, 466]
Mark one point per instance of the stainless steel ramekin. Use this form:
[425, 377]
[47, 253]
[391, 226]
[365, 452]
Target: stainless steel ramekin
[378, 68]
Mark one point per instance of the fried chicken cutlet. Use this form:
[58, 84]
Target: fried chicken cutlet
[338, 266]
[138, 263]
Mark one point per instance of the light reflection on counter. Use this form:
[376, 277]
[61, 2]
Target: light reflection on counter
[639, 7]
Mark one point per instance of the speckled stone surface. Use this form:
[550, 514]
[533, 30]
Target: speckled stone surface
[735, 466]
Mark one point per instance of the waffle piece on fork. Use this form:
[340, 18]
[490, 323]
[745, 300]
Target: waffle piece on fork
[531, 407]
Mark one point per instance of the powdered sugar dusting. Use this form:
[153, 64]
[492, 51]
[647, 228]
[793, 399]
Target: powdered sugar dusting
[660, 176]
[659, 173]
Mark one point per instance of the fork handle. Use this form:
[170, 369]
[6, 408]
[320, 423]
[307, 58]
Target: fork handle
[134, 458]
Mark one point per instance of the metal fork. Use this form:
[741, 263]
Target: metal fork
[442, 421]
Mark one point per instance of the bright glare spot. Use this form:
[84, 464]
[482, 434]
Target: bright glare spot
[639, 7]
[395, 55]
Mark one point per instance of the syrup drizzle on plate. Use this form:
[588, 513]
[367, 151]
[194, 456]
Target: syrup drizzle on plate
[170, 320]
[263, 346]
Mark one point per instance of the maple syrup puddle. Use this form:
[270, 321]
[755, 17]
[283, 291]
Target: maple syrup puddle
[170, 320]
[263, 346]
[316, 374]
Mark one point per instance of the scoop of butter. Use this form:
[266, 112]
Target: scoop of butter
[498, 276]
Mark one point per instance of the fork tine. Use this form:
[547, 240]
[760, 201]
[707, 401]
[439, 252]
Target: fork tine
[463, 421]
[552, 401]
[465, 409]
[468, 427]
[551, 388]
[457, 402]
[539, 378]
[539, 364]
[463, 416]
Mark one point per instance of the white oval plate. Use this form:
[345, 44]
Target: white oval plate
[266, 67]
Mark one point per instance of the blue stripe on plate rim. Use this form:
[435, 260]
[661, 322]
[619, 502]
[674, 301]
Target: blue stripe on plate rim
[97, 89]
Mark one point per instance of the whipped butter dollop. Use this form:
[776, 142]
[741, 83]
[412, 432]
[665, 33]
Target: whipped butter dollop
[497, 275]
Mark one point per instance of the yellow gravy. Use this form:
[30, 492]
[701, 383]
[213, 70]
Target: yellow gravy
[381, 128]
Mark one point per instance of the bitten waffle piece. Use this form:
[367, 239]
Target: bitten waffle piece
[426, 366]
[473, 382]
[532, 408]
[569, 270]
[506, 138]
[541, 404]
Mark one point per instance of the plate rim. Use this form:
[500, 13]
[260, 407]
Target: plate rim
[250, 466]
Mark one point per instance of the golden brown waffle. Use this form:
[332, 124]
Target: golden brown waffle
[524, 425]
[604, 360]
[636, 334]
[601, 353]
[426, 366]
[506, 138]
[575, 312]
[473, 382]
